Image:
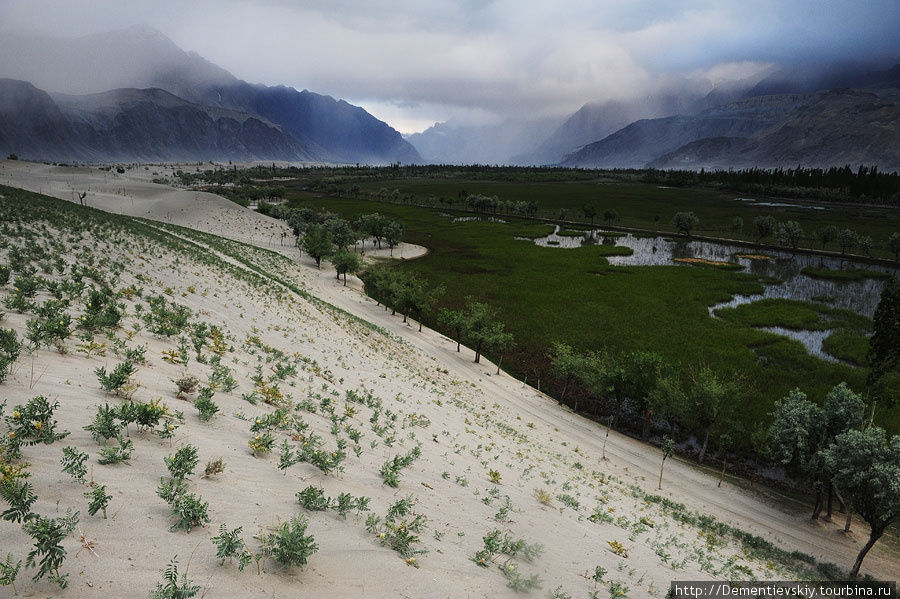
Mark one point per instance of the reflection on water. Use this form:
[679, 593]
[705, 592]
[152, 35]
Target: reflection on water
[811, 339]
[860, 296]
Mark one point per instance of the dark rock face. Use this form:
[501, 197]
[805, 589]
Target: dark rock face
[170, 105]
[820, 129]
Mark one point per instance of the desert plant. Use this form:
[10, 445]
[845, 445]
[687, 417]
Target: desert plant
[313, 499]
[216, 466]
[171, 587]
[390, 470]
[105, 426]
[115, 381]
[189, 511]
[20, 496]
[9, 570]
[206, 407]
[230, 545]
[30, 424]
[182, 462]
[48, 533]
[99, 499]
[185, 384]
[73, 463]
[116, 454]
[10, 347]
[289, 544]
[494, 476]
[261, 444]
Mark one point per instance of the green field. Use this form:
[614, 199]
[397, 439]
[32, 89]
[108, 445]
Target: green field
[574, 296]
[644, 206]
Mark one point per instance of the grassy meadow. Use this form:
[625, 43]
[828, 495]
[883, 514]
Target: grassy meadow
[574, 296]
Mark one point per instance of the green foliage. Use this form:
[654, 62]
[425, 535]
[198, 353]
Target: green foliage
[48, 534]
[346, 262]
[116, 454]
[20, 496]
[866, 467]
[101, 311]
[318, 243]
[171, 587]
[9, 570]
[789, 234]
[105, 425]
[884, 344]
[390, 470]
[30, 424]
[685, 222]
[230, 545]
[261, 444]
[206, 407]
[164, 319]
[73, 463]
[189, 511]
[10, 348]
[313, 498]
[289, 544]
[52, 325]
[182, 463]
[99, 499]
[115, 381]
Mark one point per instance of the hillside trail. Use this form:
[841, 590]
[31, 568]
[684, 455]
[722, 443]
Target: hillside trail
[779, 519]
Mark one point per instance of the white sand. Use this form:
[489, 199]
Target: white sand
[478, 421]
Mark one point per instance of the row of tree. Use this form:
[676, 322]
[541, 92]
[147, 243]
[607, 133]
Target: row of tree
[789, 233]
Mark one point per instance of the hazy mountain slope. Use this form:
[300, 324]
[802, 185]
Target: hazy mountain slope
[839, 127]
[131, 124]
[836, 127]
[454, 143]
[141, 57]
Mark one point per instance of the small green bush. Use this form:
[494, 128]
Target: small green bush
[289, 544]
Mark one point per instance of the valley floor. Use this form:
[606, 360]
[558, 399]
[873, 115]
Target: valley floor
[278, 311]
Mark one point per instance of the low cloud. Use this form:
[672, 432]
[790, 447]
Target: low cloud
[420, 61]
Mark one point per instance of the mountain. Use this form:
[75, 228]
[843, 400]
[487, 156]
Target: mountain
[826, 128]
[455, 143]
[133, 125]
[321, 127]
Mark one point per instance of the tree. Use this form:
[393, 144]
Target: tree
[709, 398]
[480, 319]
[827, 235]
[789, 234]
[764, 226]
[317, 243]
[566, 364]
[668, 447]
[884, 344]
[685, 222]
[894, 245]
[342, 234]
[645, 369]
[737, 225]
[847, 240]
[866, 466]
[865, 244]
[393, 233]
[801, 429]
[500, 341]
[455, 321]
[346, 262]
[590, 211]
[610, 216]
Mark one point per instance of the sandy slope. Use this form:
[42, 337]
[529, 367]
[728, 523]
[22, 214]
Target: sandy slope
[478, 421]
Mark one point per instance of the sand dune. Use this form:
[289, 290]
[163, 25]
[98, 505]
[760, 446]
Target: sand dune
[466, 420]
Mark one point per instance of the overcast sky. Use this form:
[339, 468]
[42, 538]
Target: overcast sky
[414, 62]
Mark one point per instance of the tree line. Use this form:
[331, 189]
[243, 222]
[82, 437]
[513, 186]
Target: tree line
[832, 446]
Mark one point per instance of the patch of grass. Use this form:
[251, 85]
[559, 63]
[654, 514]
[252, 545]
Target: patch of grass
[847, 346]
[850, 274]
[793, 314]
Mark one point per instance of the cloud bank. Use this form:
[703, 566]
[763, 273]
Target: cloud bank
[413, 62]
